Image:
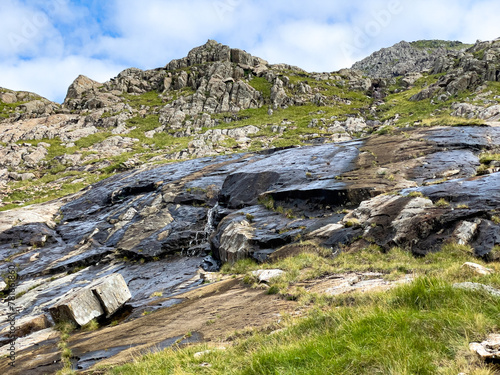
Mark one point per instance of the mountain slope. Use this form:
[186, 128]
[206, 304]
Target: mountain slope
[404, 58]
[339, 185]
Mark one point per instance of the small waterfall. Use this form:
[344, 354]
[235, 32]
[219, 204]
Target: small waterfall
[209, 226]
[196, 244]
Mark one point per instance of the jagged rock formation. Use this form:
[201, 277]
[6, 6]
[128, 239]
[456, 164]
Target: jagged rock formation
[403, 58]
[183, 110]
[465, 71]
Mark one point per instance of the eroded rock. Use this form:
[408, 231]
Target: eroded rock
[101, 298]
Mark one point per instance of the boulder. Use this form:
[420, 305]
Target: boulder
[112, 292]
[80, 307]
[235, 242]
[101, 298]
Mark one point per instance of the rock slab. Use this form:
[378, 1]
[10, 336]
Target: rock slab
[103, 297]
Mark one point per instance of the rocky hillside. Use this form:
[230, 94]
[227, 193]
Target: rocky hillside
[403, 58]
[112, 200]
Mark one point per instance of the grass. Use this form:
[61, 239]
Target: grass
[91, 326]
[431, 44]
[150, 98]
[488, 157]
[424, 112]
[263, 85]
[65, 329]
[420, 328]
[442, 203]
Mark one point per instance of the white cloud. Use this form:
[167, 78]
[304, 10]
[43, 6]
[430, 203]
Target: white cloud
[51, 78]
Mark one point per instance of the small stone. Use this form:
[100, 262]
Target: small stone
[204, 352]
[478, 287]
[265, 276]
[477, 268]
[488, 349]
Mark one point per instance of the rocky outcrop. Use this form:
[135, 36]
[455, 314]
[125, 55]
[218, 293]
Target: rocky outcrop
[404, 58]
[213, 52]
[155, 225]
[18, 105]
[470, 111]
[464, 71]
[103, 297]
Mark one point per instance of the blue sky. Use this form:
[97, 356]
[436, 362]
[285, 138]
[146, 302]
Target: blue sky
[47, 44]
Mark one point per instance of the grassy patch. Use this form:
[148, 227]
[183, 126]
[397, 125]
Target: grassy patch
[432, 44]
[160, 140]
[424, 112]
[488, 157]
[65, 329]
[148, 99]
[420, 328]
[263, 85]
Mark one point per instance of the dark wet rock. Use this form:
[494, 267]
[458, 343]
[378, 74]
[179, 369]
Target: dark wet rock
[303, 175]
[488, 237]
[155, 225]
[210, 264]
[33, 234]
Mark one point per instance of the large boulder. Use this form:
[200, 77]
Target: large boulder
[101, 298]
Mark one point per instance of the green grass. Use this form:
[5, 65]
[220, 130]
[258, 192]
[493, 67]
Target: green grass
[426, 112]
[488, 157]
[92, 139]
[431, 44]
[65, 329]
[150, 98]
[421, 328]
[263, 85]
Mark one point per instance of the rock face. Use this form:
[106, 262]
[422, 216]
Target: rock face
[167, 218]
[101, 298]
[464, 71]
[404, 58]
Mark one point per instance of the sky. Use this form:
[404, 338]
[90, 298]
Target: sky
[47, 44]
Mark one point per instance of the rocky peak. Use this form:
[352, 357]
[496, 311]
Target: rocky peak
[81, 85]
[467, 70]
[212, 51]
[404, 57]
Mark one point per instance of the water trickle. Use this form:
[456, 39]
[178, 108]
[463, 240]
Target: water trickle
[209, 226]
[198, 244]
